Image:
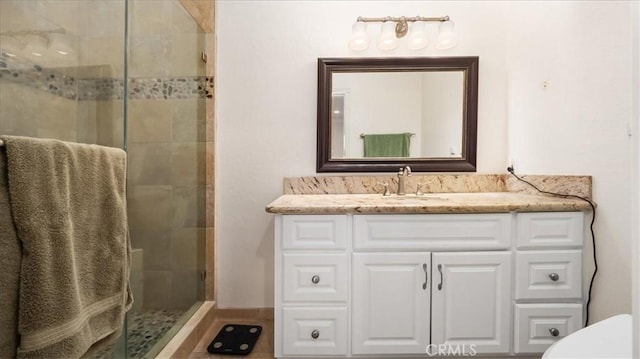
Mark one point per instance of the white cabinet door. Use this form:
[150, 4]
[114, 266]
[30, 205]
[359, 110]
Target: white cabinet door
[391, 294]
[472, 301]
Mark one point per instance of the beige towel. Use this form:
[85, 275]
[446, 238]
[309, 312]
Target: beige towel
[11, 257]
[69, 208]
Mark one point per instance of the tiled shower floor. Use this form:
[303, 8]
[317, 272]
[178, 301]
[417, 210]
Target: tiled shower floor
[144, 329]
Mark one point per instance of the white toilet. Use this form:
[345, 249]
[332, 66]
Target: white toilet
[610, 338]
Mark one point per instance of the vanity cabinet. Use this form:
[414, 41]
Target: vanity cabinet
[395, 284]
[466, 301]
[312, 285]
[471, 300]
[548, 288]
[391, 303]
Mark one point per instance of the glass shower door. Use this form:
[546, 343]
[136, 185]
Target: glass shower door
[126, 74]
[166, 179]
[62, 75]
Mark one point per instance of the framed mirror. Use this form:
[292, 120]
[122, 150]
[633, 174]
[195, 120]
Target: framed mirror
[380, 114]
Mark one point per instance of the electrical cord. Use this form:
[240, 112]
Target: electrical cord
[593, 236]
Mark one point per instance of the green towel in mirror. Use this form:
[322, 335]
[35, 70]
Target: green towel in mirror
[387, 145]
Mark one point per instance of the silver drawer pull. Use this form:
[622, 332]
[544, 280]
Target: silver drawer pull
[315, 334]
[554, 277]
[426, 276]
[315, 279]
[554, 332]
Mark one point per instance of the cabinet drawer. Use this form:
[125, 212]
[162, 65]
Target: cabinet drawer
[314, 232]
[549, 274]
[315, 277]
[537, 326]
[550, 229]
[314, 331]
[435, 231]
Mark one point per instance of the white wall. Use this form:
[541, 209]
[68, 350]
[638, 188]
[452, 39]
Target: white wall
[379, 103]
[577, 124]
[442, 101]
[266, 103]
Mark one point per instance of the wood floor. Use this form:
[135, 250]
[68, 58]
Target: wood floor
[262, 350]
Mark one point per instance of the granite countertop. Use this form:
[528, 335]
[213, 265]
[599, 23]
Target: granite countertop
[480, 202]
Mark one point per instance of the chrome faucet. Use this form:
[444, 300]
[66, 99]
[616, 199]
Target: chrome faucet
[403, 173]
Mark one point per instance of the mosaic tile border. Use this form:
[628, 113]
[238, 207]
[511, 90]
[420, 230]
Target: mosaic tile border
[22, 72]
[146, 88]
[170, 88]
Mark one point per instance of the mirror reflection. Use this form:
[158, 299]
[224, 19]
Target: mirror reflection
[397, 114]
[380, 114]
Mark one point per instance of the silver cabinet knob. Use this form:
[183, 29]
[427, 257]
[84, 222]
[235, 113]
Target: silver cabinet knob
[315, 334]
[554, 277]
[554, 332]
[315, 279]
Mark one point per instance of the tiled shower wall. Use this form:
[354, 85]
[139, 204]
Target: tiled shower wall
[21, 109]
[167, 150]
[53, 96]
[21, 106]
[169, 138]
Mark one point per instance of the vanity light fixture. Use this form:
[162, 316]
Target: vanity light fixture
[394, 28]
[37, 44]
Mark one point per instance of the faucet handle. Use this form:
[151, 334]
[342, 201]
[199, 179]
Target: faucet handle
[419, 189]
[404, 171]
[386, 188]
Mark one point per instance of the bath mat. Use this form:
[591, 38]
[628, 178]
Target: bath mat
[235, 339]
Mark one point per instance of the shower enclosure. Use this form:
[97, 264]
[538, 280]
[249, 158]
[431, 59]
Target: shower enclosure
[128, 74]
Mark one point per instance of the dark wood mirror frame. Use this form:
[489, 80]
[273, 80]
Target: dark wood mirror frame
[328, 66]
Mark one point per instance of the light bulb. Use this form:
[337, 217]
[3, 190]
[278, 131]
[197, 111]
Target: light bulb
[418, 37]
[446, 36]
[388, 39]
[359, 38]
